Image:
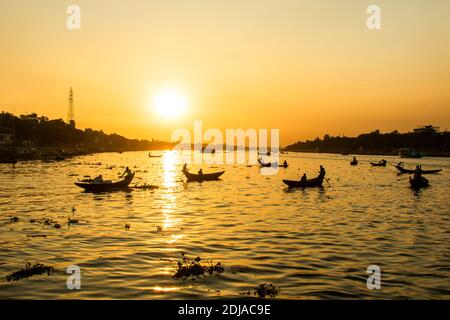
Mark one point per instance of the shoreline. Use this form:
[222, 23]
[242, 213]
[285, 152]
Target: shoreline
[429, 154]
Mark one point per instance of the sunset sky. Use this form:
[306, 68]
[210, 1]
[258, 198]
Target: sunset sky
[306, 67]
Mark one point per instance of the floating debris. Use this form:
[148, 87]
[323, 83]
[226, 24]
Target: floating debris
[73, 210]
[14, 219]
[72, 221]
[127, 226]
[30, 270]
[57, 226]
[145, 187]
[159, 229]
[37, 236]
[48, 222]
[264, 290]
[189, 268]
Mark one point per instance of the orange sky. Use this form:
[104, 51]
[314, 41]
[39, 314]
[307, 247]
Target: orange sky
[305, 67]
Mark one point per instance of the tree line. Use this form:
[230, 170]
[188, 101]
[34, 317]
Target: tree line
[427, 139]
[43, 132]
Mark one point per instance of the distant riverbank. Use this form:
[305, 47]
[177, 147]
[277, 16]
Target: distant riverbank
[427, 153]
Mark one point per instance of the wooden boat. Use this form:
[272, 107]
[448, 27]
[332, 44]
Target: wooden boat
[316, 182]
[152, 156]
[283, 165]
[354, 163]
[262, 164]
[379, 164]
[202, 177]
[403, 170]
[109, 186]
[417, 183]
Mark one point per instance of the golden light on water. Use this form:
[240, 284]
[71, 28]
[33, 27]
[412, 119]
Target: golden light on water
[169, 169]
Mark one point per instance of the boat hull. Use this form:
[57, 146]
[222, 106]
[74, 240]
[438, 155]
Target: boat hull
[203, 177]
[418, 183]
[382, 164]
[403, 170]
[316, 182]
[102, 187]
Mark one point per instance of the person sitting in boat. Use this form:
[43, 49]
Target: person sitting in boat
[126, 173]
[285, 163]
[185, 169]
[98, 179]
[418, 172]
[400, 164]
[303, 179]
[200, 172]
[354, 160]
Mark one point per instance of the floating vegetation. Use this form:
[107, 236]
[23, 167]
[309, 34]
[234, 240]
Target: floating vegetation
[264, 290]
[30, 270]
[72, 221]
[14, 219]
[188, 268]
[48, 222]
[145, 187]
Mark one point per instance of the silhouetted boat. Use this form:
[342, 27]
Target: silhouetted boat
[262, 164]
[202, 177]
[106, 186]
[354, 162]
[403, 170]
[382, 163]
[283, 165]
[418, 182]
[152, 156]
[316, 182]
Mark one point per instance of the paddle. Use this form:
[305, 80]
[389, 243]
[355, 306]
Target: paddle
[328, 182]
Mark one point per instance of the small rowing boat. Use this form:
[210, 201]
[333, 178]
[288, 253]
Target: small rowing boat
[106, 186]
[403, 170]
[269, 164]
[418, 182]
[152, 156]
[316, 182]
[381, 163]
[203, 176]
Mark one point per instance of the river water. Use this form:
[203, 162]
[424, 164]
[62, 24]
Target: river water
[311, 244]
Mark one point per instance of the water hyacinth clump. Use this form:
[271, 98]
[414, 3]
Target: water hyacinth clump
[188, 268]
[264, 290]
[30, 270]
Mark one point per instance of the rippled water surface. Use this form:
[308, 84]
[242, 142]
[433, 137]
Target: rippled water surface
[312, 244]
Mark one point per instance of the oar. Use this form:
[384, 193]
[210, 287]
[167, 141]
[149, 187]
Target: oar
[328, 182]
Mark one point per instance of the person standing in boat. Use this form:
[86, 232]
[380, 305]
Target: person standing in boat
[185, 169]
[285, 164]
[126, 173]
[322, 170]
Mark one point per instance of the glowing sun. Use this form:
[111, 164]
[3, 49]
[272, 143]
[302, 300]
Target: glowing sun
[170, 103]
